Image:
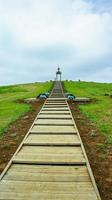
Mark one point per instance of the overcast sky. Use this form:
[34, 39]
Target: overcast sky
[37, 35]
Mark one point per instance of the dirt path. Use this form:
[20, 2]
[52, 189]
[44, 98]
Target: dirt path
[100, 156]
[15, 134]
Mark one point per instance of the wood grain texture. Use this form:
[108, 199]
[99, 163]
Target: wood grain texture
[47, 139]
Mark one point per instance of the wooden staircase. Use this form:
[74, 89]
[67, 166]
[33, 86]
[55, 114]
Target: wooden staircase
[51, 162]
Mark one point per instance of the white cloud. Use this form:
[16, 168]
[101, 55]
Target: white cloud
[42, 33]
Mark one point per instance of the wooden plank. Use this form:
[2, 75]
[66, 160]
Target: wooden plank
[54, 106]
[47, 196]
[65, 187]
[53, 116]
[53, 155]
[54, 121]
[47, 190]
[56, 99]
[49, 159]
[47, 168]
[41, 173]
[55, 103]
[55, 109]
[53, 129]
[48, 177]
[55, 112]
[50, 149]
[55, 139]
[57, 95]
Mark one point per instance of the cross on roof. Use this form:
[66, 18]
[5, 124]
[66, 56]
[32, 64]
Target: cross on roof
[58, 72]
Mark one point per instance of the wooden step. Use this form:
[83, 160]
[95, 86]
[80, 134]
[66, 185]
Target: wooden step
[56, 99]
[55, 139]
[50, 155]
[55, 106]
[55, 103]
[46, 173]
[54, 121]
[23, 190]
[53, 129]
[55, 109]
[55, 112]
[53, 116]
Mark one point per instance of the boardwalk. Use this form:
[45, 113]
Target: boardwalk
[51, 162]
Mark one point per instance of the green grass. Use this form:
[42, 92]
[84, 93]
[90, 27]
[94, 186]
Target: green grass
[10, 110]
[99, 112]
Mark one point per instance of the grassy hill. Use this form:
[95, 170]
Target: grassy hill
[100, 111]
[10, 110]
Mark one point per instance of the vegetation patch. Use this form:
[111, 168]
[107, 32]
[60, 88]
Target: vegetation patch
[10, 108]
[12, 89]
[99, 111]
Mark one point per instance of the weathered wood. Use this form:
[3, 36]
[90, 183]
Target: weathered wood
[32, 186]
[53, 155]
[54, 116]
[54, 121]
[57, 99]
[53, 129]
[55, 139]
[47, 173]
[57, 109]
[47, 190]
[48, 149]
[55, 103]
[55, 106]
[55, 112]
[47, 196]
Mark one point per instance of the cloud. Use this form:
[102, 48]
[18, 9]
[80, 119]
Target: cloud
[37, 35]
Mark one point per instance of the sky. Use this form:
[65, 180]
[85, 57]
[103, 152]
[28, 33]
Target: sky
[37, 35]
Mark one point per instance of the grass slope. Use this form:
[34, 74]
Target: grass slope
[10, 110]
[99, 112]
